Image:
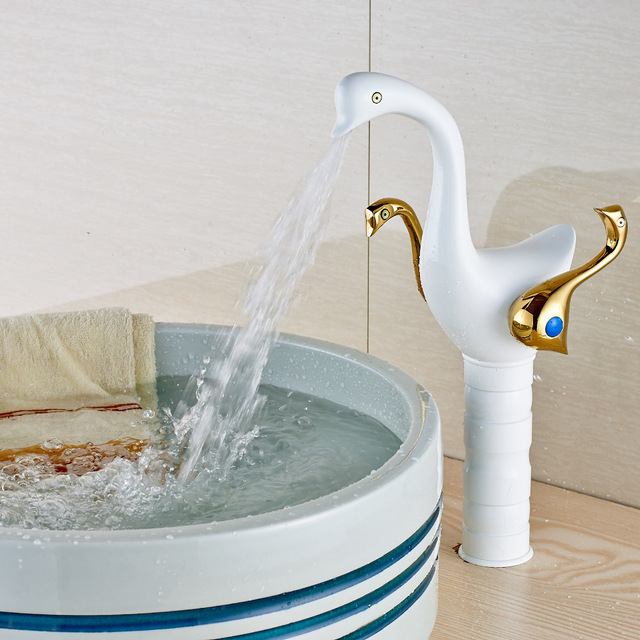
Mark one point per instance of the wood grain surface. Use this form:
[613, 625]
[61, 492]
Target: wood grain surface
[583, 582]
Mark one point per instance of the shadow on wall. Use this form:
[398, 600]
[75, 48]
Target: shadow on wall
[585, 407]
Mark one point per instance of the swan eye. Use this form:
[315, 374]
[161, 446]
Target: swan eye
[554, 327]
[385, 214]
[376, 98]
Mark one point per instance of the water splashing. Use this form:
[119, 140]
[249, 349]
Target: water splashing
[307, 447]
[220, 424]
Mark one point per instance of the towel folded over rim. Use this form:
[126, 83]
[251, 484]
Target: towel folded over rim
[76, 377]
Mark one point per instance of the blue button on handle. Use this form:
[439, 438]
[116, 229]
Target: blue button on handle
[554, 327]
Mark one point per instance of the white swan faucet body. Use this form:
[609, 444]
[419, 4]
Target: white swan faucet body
[477, 298]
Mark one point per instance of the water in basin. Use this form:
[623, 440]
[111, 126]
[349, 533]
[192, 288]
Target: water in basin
[303, 447]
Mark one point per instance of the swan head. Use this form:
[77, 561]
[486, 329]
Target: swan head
[363, 96]
[381, 211]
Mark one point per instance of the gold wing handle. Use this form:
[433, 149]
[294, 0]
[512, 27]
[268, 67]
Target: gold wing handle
[539, 317]
[383, 210]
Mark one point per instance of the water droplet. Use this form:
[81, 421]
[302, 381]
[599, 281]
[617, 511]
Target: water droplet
[53, 444]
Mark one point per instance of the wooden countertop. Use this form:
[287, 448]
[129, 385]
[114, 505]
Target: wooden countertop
[583, 581]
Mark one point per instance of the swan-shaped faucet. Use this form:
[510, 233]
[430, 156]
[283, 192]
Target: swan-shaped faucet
[540, 316]
[491, 305]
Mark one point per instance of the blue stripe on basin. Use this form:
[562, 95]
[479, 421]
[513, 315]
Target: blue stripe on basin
[351, 608]
[393, 614]
[224, 613]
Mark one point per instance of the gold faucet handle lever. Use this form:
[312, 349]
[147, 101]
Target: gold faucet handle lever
[383, 210]
[539, 317]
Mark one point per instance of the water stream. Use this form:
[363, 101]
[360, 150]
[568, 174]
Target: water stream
[220, 424]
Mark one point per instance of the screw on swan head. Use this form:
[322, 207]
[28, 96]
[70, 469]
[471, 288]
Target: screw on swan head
[539, 317]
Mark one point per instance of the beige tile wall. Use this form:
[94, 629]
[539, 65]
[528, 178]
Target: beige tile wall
[147, 147]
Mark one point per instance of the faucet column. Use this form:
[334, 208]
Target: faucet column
[497, 472]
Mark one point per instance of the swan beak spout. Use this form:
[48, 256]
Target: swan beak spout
[346, 111]
[539, 317]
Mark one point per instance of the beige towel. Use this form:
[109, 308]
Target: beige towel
[77, 377]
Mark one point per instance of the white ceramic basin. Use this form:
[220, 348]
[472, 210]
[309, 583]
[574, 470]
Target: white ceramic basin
[358, 563]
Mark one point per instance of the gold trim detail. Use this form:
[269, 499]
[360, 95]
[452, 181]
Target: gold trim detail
[383, 210]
